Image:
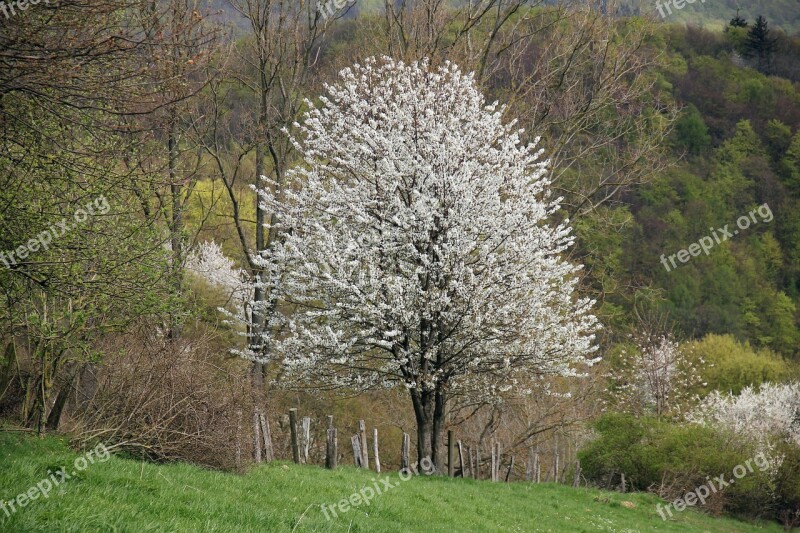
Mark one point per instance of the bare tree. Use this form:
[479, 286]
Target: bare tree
[275, 66]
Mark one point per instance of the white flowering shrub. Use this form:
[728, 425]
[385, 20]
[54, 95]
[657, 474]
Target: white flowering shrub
[657, 377]
[209, 263]
[772, 410]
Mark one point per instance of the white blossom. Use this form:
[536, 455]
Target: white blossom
[209, 263]
[767, 411]
[658, 377]
[415, 245]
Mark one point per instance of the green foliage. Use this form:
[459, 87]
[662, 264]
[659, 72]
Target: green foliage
[759, 43]
[673, 459]
[787, 485]
[718, 14]
[743, 155]
[789, 169]
[729, 365]
[778, 137]
[692, 133]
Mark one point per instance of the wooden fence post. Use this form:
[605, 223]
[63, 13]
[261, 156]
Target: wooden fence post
[405, 451]
[577, 481]
[238, 438]
[555, 471]
[331, 451]
[293, 434]
[375, 450]
[478, 461]
[499, 460]
[306, 437]
[555, 459]
[471, 463]
[451, 467]
[461, 459]
[494, 461]
[269, 451]
[256, 438]
[362, 431]
[357, 456]
[510, 468]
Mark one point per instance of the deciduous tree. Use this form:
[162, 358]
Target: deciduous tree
[415, 247]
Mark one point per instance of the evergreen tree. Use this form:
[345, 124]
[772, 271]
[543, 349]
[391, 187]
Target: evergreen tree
[737, 21]
[759, 44]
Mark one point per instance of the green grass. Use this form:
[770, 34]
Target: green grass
[127, 495]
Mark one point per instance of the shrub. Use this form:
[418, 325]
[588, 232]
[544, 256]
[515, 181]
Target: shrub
[164, 401]
[731, 365]
[761, 416]
[787, 486]
[672, 459]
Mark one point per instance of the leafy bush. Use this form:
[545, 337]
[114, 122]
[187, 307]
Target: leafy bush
[672, 459]
[730, 365]
[787, 486]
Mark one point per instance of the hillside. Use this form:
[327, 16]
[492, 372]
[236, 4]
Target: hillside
[281, 497]
[784, 14]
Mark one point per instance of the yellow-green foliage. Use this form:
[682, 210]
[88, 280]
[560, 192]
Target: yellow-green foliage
[730, 365]
[211, 207]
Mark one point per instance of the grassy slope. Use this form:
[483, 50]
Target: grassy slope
[126, 495]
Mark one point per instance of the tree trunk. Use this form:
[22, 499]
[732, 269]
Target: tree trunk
[176, 224]
[54, 418]
[424, 440]
[7, 372]
[429, 410]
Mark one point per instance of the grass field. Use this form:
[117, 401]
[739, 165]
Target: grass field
[126, 495]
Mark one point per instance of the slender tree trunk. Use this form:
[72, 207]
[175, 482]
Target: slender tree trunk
[438, 425]
[54, 418]
[176, 225]
[259, 294]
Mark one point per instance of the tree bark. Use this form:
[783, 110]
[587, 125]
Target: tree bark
[429, 411]
[54, 418]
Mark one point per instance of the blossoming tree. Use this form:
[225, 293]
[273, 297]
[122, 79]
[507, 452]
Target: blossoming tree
[414, 247]
[659, 377]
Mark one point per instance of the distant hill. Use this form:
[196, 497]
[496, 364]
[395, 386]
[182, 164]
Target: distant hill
[784, 14]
